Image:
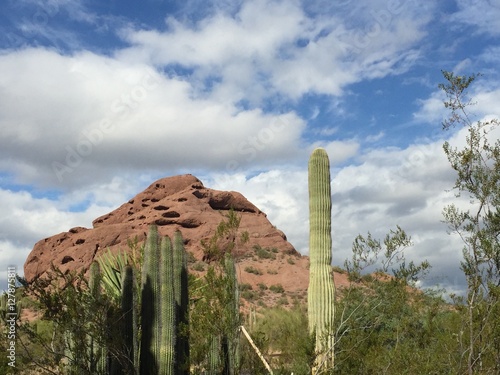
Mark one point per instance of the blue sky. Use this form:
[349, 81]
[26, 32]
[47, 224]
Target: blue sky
[99, 99]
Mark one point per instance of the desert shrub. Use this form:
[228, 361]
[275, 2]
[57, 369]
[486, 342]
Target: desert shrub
[264, 253]
[253, 270]
[244, 287]
[249, 295]
[277, 288]
[262, 286]
[283, 334]
[199, 266]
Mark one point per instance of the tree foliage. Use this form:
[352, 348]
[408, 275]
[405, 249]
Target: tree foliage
[477, 167]
[387, 256]
[215, 316]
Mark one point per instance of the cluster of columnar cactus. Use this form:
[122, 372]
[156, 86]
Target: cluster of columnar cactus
[164, 304]
[153, 321]
[152, 336]
[321, 287]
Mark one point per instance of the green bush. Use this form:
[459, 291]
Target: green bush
[262, 286]
[277, 288]
[264, 253]
[279, 330]
[244, 287]
[249, 295]
[253, 270]
[199, 266]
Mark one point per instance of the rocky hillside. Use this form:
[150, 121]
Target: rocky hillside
[269, 267]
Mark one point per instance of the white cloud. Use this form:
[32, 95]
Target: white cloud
[484, 95]
[481, 15]
[67, 117]
[11, 255]
[273, 47]
[89, 113]
[432, 109]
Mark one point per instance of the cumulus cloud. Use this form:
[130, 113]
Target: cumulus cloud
[482, 16]
[65, 118]
[68, 116]
[272, 47]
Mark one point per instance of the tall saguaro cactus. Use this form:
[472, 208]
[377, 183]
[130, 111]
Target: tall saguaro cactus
[321, 289]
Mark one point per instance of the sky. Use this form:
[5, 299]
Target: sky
[98, 99]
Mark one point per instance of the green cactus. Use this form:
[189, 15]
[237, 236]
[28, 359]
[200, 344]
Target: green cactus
[321, 291]
[214, 362]
[129, 320]
[180, 284]
[164, 295]
[150, 300]
[6, 309]
[168, 310]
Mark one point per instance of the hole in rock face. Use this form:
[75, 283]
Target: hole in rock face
[67, 259]
[154, 200]
[198, 194]
[161, 208]
[181, 199]
[190, 223]
[171, 214]
[161, 222]
[79, 241]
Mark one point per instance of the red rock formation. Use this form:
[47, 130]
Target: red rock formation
[183, 203]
